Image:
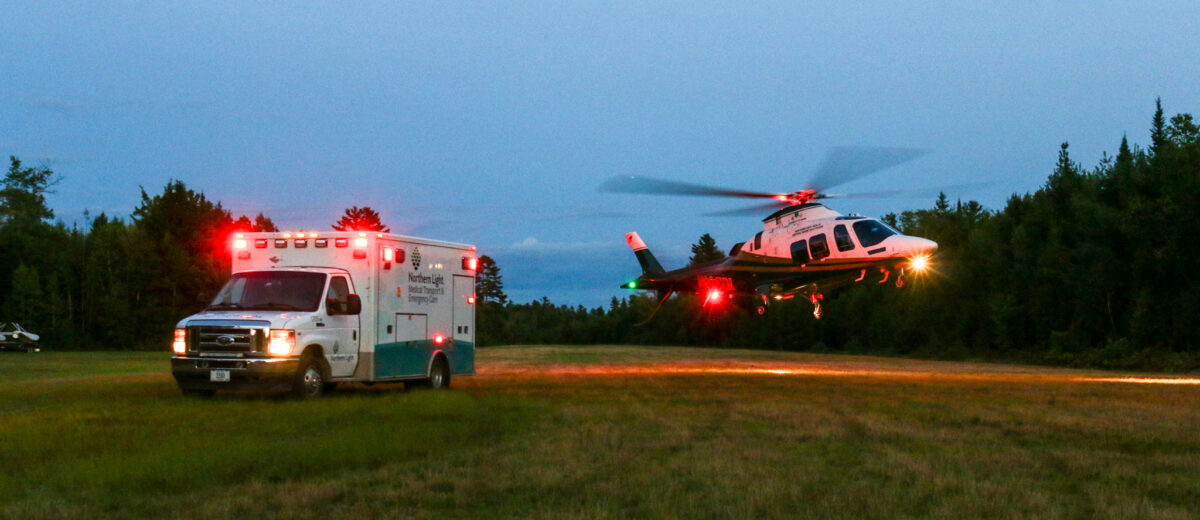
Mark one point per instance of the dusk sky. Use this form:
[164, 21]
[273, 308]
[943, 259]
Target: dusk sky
[493, 123]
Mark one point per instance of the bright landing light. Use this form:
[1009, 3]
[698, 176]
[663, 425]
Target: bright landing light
[919, 263]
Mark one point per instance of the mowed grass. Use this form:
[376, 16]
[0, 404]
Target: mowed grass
[604, 432]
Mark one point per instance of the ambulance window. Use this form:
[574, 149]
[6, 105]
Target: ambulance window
[818, 246]
[871, 232]
[339, 295]
[842, 237]
[758, 240]
[800, 251]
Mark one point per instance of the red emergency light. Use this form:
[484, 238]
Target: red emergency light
[470, 263]
[714, 289]
[439, 339]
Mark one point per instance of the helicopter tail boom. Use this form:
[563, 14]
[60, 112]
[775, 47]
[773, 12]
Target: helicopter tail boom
[649, 264]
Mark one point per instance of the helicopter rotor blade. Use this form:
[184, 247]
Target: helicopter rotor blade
[909, 193]
[757, 209]
[641, 184]
[844, 164]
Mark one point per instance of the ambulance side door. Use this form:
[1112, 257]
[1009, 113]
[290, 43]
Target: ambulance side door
[342, 326]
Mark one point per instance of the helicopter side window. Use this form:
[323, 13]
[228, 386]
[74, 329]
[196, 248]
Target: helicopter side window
[800, 251]
[757, 240]
[842, 237]
[819, 246]
[871, 232]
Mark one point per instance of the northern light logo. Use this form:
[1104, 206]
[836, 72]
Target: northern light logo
[416, 258]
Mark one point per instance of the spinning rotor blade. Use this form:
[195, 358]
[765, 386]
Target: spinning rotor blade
[640, 184]
[758, 210]
[911, 193]
[845, 164]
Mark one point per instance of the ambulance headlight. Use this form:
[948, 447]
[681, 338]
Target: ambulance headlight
[179, 346]
[281, 342]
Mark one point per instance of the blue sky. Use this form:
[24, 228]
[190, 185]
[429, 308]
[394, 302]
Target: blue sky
[493, 123]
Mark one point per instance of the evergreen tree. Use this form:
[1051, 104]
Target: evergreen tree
[1158, 130]
[262, 223]
[704, 251]
[1124, 156]
[360, 219]
[489, 285]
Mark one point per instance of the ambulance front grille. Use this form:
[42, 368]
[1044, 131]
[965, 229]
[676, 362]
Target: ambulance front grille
[226, 339]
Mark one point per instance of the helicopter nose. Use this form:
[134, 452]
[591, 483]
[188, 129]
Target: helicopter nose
[917, 246]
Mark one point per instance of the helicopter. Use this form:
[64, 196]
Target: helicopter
[804, 248]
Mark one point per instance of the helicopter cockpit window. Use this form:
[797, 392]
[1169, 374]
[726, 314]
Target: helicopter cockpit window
[800, 251]
[842, 237]
[758, 240]
[819, 246]
[871, 232]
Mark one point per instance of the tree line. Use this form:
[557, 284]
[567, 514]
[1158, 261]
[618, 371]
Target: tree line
[1094, 268]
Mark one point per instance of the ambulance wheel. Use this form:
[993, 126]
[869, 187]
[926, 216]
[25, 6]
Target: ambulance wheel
[439, 374]
[310, 379]
[194, 392]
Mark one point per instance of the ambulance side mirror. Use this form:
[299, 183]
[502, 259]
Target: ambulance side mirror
[353, 304]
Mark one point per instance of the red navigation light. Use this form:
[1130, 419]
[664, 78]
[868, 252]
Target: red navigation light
[439, 339]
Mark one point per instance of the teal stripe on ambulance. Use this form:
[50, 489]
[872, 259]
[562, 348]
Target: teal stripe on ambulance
[411, 358]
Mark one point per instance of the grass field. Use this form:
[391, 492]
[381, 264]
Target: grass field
[606, 432]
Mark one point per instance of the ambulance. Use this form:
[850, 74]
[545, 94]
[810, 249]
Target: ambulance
[304, 311]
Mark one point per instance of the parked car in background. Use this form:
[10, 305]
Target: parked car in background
[16, 338]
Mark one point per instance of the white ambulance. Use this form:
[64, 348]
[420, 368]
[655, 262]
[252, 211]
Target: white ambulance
[304, 311]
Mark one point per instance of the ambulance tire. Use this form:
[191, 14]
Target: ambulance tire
[439, 374]
[309, 382]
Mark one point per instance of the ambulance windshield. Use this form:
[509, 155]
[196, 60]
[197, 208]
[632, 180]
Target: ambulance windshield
[271, 290]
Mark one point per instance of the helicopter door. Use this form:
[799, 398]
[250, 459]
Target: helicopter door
[818, 246]
[842, 237]
[800, 251]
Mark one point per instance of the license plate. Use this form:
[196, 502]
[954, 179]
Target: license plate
[219, 376]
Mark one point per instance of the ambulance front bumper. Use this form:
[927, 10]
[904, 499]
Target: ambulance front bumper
[207, 373]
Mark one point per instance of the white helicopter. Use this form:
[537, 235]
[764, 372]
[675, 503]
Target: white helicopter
[803, 249]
